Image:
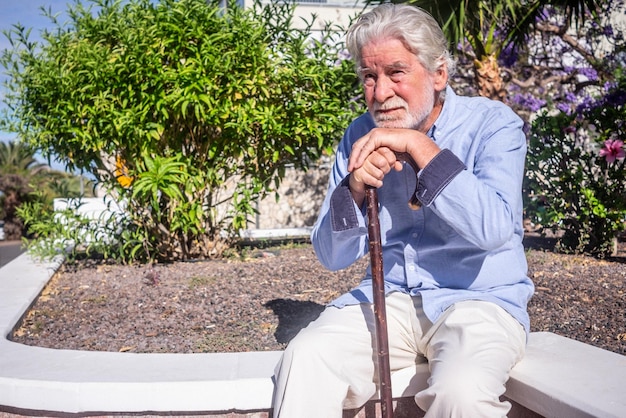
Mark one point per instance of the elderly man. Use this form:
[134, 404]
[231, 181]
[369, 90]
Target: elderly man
[455, 271]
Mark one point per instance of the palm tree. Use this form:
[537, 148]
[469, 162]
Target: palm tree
[18, 171]
[17, 158]
[489, 26]
[24, 179]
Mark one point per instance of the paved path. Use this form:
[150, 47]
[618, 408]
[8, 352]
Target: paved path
[9, 250]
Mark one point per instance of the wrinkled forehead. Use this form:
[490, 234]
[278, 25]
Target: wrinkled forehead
[388, 53]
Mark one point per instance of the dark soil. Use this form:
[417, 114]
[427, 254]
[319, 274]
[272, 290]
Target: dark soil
[261, 301]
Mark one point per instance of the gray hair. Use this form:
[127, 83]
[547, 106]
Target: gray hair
[414, 27]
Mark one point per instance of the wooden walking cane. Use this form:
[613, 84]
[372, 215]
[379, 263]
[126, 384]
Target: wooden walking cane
[378, 289]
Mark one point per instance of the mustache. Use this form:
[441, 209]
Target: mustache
[392, 103]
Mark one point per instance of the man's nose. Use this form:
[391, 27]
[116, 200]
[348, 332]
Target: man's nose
[383, 89]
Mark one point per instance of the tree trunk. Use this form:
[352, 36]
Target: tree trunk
[488, 78]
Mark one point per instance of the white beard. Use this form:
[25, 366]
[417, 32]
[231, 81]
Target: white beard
[410, 120]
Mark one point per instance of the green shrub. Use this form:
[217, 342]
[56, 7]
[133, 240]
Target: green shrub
[576, 174]
[71, 233]
[185, 111]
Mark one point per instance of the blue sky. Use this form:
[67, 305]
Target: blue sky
[28, 14]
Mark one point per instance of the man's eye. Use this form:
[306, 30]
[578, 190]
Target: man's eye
[369, 79]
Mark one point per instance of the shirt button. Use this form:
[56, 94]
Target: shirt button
[414, 235]
[411, 268]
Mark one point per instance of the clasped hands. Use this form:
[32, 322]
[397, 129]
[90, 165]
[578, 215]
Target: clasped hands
[382, 149]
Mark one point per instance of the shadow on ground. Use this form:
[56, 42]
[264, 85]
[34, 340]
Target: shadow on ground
[293, 315]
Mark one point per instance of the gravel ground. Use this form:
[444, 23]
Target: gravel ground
[261, 301]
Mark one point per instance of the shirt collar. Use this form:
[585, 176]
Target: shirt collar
[446, 112]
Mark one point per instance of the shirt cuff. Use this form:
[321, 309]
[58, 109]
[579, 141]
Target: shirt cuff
[437, 174]
[342, 207]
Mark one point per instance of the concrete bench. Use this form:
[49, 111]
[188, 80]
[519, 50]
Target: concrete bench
[558, 377]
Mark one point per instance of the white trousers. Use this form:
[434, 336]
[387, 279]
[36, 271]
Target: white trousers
[330, 365]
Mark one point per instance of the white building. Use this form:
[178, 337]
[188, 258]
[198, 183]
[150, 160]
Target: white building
[337, 12]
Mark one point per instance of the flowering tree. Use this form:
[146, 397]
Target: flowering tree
[577, 172]
[562, 60]
[574, 80]
[562, 66]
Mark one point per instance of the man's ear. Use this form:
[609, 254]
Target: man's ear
[440, 78]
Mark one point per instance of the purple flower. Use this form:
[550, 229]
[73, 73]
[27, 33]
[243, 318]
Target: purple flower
[586, 105]
[607, 30]
[589, 73]
[564, 107]
[509, 55]
[570, 97]
[528, 101]
[612, 150]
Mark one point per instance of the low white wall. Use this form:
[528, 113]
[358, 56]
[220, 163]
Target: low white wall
[558, 377]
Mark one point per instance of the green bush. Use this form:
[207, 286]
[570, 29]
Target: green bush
[576, 174]
[71, 233]
[184, 111]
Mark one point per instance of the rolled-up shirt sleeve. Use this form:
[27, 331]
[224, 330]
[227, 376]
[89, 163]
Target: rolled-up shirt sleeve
[342, 209]
[433, 178]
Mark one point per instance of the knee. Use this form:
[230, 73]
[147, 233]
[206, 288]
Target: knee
[455, 396]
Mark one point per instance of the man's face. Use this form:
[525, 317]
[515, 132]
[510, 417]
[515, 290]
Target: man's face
[399, 92]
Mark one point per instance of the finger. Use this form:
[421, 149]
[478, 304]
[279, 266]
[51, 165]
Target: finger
[386, 160]
[376, 166]
[356, 158]
[369, 174]
[361, 149]
[372, 180]
[389, 155]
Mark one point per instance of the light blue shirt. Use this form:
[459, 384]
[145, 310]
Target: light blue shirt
[466, 241]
